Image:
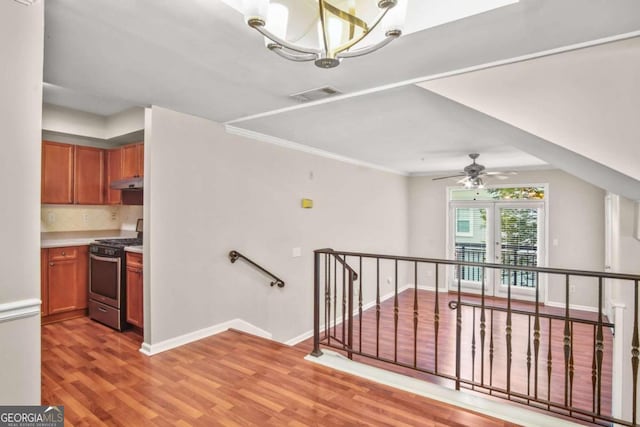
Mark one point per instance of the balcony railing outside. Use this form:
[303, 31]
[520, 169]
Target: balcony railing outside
[559, 362]
[511, 255]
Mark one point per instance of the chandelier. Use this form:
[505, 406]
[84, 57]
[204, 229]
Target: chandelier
[325, 31]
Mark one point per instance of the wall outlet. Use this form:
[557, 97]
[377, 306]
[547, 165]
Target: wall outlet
[51, 218]
[85, 218]
[572, 289]
[389, 280]
[114, 215]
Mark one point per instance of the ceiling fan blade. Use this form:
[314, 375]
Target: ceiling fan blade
[450, 176]
[463, 180]
[505, 173]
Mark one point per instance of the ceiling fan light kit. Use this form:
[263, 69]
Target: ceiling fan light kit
[332, 30]
[471, 174]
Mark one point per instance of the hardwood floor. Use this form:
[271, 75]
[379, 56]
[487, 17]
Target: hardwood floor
[231, 379]
[521, 381]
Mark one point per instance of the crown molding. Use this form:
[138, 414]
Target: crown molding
[306, 149]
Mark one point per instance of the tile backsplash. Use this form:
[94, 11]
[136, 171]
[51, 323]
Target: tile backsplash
[78, 218]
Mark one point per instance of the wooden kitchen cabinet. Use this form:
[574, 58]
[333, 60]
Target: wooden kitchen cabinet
[89, 182]
[133, 160]
[134, 290]
[114, 173]
[57, 173]
[65, 276]
[72, 174]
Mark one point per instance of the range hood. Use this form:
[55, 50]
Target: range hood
[128, 184]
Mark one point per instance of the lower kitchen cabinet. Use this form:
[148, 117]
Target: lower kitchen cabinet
[65, 280]
[134, 290]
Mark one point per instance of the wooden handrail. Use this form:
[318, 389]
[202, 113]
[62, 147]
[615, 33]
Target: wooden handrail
[235, 255]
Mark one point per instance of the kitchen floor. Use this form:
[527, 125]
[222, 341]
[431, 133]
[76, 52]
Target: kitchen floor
[232, 379]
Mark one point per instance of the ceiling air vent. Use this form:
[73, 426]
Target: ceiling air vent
[315, 94]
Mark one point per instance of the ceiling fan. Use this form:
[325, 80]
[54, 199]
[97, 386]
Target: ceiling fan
[471, 174]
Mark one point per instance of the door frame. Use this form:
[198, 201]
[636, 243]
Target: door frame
[543, 239]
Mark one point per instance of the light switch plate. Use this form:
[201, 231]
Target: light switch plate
[296, 252]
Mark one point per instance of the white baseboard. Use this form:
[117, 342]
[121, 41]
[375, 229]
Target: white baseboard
[239, 324]
[572, 306]
[19, 309]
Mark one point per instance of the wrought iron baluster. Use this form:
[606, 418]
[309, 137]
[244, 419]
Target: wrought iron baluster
[491, 350]
[528, 357]
[327, 298]
[473, 348]
[415, 314]
[635, 351]
[458, 332]
[571, 373]
[536, 341]
[599, 346]
[549, 367]
[567, 342]
[436, 320]
[350, 314]
[344, 301]
[483, 326]
[594, 377]
[396, 312]
[335, 295]
[508, 332]
[360, 306]
[377, 307]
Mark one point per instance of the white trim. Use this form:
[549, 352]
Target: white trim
[285, 143]
[460, 71]
[571, 306]
[239, 324]
[498, 409]
[19, 309]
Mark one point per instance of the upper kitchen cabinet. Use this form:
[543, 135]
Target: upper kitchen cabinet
[57, 173]
[114, 173]
[89, 176]
[72, 174]
[133, 160]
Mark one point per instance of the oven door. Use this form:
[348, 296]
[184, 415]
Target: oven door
[105, 280]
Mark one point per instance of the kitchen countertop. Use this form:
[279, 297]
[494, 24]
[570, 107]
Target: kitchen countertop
[136, 249]
[58, 239]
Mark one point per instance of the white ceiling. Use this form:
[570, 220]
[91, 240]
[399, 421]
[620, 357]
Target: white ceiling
[199, 57]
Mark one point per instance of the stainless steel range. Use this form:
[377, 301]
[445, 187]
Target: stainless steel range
[107, 280]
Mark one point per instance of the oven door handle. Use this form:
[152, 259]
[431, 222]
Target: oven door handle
[105, 259]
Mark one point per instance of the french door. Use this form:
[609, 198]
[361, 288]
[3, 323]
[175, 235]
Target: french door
[501, 232]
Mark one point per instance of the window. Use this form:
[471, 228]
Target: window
[464, 222]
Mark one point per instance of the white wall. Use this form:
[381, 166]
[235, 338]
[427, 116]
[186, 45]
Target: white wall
[80, 123]
[576, 221]
[73, 122]
[208, 192]
[21, 44]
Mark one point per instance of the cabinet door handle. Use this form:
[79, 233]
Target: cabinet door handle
[104, 310]
[51, 264]
[63, 253]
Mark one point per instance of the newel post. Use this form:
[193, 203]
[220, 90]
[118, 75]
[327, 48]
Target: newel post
[316, 305]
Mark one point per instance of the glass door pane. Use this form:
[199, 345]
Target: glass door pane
[518, 245]
[470, 241]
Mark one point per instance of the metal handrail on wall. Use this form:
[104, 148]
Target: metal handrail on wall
[551, 359]
[235, 255]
